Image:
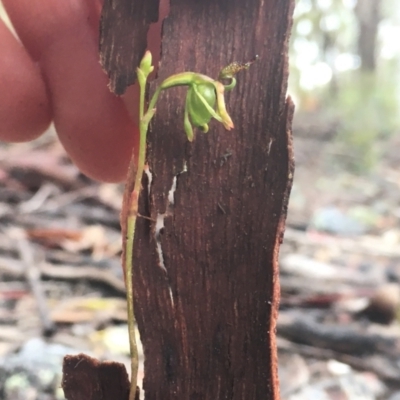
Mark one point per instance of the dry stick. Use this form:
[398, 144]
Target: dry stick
[16, 268]
[32, 273]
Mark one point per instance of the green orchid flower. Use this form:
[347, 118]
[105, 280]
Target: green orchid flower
[205, 97]
[204, 100]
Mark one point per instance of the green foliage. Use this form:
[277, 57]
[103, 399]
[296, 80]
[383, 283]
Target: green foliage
[366, 105]
[326, 76]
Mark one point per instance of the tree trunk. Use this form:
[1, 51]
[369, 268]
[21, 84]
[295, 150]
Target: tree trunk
[368, 16]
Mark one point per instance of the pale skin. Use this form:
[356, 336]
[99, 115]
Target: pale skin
[53, 74]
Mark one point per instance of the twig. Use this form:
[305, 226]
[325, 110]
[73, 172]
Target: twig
[384, 368]
[369, 245]
[16, 268]
[32, 275]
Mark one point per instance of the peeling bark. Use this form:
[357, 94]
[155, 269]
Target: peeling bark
[207, 320]
[85, 378]
[207, 313]
[123, 38]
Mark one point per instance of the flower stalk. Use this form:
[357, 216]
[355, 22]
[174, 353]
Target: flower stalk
[204, 100]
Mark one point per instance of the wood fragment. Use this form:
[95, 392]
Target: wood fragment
[85, 378]
[33, 276]
[385, 368]
[14, 268]
[367, 245]
[123, 38]
[345, 339]
[216, 301]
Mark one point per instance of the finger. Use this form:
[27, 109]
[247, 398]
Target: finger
[24, 105]
[93, 124]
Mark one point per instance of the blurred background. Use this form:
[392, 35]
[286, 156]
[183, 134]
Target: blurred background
[338, 331]
[61, 284]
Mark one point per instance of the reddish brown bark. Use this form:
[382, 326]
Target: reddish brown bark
[123, 40]
[207, 316]
[215, 337]
[85, 378]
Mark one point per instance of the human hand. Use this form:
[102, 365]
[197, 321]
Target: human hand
[56, 75]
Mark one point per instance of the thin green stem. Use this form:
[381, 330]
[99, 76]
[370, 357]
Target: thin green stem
[129, 297]
[231, 85]
[154, 99]
[131, 225]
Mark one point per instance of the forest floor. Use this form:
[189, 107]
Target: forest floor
[62, 289]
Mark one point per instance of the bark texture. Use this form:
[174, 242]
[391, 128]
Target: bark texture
[207, 307]
[123, 38]
[85, 378]
[206, 284]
